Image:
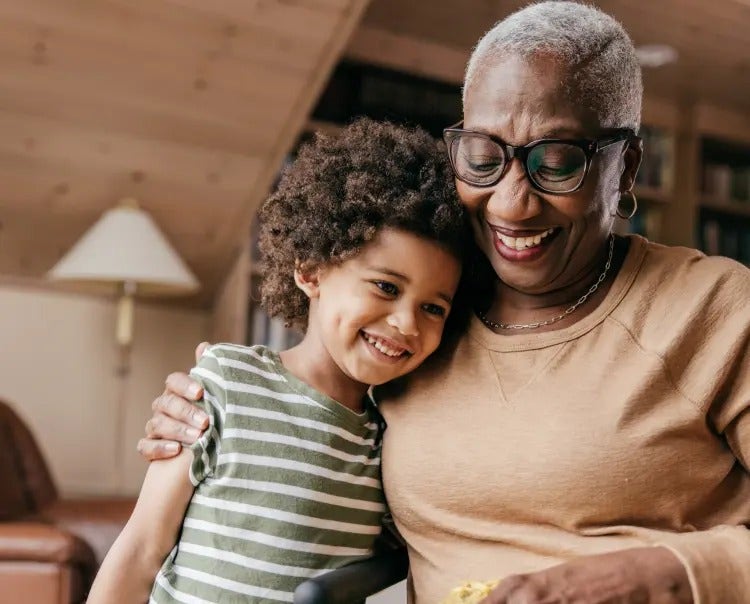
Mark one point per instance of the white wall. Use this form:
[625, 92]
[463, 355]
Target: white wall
[58, 369]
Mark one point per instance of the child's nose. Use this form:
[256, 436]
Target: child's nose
[405, 321]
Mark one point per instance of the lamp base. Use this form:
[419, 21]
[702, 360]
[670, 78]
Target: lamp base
[125, 312]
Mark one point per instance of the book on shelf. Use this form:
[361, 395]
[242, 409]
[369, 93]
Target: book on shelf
[726, 171]
[657, 166]
[646, 222]
[727, 183]
[722, 237]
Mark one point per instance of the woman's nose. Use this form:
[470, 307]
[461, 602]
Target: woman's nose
[513, 199]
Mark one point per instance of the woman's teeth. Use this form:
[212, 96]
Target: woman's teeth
[522, 243]
[384, 348]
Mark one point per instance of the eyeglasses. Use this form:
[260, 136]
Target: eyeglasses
[556, 166]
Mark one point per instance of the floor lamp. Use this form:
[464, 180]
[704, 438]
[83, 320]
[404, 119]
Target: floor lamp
[124, 253]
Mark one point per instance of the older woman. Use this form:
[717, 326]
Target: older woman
[588, 438]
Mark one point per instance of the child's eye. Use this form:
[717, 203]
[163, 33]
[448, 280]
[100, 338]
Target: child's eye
[434, 309]
[386, 287]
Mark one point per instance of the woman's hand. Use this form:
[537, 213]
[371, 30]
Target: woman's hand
[645, 575]
[175, 420]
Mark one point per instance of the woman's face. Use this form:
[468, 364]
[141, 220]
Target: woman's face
[520, 101]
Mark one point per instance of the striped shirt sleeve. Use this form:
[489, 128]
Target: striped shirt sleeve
[214, 402]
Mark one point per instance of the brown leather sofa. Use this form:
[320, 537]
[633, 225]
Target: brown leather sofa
[50, 548]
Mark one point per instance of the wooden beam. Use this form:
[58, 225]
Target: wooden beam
[660, 113]
[408, 54]
[680, 217]
[238, 228]
[723, 123]
[230, 309]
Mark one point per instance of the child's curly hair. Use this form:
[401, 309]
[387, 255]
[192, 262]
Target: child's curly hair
[340, 192]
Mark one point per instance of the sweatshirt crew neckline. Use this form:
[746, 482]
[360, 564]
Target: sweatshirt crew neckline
[530, 340]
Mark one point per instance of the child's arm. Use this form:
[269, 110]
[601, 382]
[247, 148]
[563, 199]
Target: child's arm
[127, 573]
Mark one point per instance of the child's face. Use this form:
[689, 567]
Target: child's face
[381, 313]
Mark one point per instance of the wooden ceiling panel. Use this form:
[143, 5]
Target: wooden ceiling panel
[188, 106]
[161, 30]
[307, 20]
[38, 138]
[141, 118]
[72, 188]
[90, 63]
[69, 199]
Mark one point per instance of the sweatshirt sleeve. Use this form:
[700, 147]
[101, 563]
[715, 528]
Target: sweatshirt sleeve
[718, 560]
[717, 563]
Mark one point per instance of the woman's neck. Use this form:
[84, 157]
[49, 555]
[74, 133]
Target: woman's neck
[310, 362]
[511, 306]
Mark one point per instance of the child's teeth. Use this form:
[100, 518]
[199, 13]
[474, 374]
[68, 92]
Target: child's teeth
[382, 347]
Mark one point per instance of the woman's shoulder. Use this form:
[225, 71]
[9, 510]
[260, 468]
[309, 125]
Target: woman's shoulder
[682, 289]
[681, 273]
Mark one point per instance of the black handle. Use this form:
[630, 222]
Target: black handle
[353, 583]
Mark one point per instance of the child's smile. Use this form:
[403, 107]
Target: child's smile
[385, 347]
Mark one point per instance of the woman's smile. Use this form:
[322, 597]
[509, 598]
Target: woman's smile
[523, 245]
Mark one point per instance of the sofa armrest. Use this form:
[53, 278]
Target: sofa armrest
[355, 582]
[38, 542]
[97, 521]
[104, 510]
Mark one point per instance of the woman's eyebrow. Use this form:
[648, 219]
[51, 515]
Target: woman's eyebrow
[562, 132]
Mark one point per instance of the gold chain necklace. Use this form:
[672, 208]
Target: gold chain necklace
[492, 325]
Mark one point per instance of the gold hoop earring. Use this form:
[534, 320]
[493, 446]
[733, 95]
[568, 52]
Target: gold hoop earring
[634, 208]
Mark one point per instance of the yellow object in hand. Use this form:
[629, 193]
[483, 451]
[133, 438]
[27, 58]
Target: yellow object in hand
[471, 592]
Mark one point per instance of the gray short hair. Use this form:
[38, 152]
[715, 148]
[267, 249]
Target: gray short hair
[596, 47]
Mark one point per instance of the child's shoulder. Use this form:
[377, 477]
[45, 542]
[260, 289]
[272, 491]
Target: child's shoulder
[247, 364]
[255, 355]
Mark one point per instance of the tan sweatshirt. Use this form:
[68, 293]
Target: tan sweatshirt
[630, 427]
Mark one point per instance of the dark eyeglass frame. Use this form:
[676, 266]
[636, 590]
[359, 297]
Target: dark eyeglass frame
[590, 147]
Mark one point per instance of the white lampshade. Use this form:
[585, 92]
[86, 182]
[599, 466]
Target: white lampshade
[126, 252]
[126, 246]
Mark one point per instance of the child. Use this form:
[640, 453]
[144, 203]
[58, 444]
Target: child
[362, 247]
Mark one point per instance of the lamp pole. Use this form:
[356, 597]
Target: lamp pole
[124, 339]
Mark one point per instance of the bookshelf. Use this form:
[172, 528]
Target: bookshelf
[724, 200]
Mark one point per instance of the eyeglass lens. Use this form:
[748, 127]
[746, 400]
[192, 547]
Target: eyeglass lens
[480, 161]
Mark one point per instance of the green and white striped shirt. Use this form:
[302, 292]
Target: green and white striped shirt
[287, 485]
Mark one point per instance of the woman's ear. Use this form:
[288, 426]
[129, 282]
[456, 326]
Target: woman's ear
[308, 280]
[633, 155]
